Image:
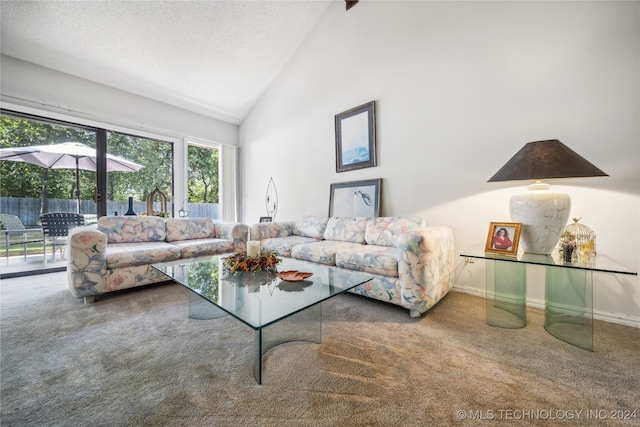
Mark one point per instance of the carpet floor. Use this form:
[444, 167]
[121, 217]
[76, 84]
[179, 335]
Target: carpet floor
[137, 359]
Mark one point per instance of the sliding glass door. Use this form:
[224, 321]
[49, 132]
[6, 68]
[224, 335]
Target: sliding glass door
[45, 167]
[49, 166]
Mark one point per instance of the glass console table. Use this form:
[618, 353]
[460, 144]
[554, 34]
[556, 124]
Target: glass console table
[568, 300]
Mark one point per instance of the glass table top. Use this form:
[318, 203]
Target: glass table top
[598, 262]
[260, 299]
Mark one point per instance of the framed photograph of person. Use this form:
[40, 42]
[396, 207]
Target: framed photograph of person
[356, 138]
[503, 238]
[355, 198]
[266, 219]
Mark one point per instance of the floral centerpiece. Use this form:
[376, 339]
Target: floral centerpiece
[240, 262]
[252, 272]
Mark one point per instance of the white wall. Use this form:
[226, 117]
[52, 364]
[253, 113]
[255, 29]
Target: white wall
[460, 87]
[32, 86]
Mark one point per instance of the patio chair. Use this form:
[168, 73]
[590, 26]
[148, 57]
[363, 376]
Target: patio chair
[55, 227]
[15, 233]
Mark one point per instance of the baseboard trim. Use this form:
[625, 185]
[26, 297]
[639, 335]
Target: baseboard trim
[622, 319]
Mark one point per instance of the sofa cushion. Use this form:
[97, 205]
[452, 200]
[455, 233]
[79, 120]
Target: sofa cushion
[270, 230]
[311, 226]
[132, 229]
[120, 255]
[346, 229]
[373, 259]
[323, 252]
[190, 228]
[282, 245]
[384, 231]
[201, 247]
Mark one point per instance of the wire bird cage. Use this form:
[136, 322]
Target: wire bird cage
[580, 237]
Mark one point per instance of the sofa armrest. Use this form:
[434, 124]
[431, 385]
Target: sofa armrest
[233, 231]
[270, 230]
[425, 267]
[86, 261]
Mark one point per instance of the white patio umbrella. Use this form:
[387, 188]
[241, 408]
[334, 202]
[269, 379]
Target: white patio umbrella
[66, 155]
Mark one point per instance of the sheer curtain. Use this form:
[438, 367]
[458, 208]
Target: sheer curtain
[229, 182]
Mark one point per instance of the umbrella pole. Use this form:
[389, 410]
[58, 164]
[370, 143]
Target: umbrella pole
[78, 184]
[44, 205]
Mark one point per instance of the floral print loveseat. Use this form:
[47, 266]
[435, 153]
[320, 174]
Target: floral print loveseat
[411, 263]
[118, 253]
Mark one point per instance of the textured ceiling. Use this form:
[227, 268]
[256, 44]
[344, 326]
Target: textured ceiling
[211, 57]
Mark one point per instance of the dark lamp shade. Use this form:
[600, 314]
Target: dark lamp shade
[546, 159]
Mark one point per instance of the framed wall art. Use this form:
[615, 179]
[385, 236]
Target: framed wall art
[266, 219]
[356, 198]
[356, 138]
[503, 238]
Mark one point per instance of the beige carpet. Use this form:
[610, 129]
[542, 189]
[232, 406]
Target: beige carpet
[136, 359]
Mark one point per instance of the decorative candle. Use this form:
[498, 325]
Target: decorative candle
[253, 248]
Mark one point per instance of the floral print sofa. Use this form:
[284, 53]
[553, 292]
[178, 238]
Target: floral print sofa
[118, 253]
[411, 263]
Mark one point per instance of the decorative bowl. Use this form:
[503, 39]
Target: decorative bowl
[293, 275]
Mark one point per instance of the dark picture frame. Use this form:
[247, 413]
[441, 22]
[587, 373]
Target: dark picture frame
[355, 198]
[510, 232]
[356, 138]
[266, 219]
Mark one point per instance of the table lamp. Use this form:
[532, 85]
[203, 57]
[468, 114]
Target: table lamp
[543, 212]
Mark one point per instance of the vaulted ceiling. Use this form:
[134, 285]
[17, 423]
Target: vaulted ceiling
[211, 57]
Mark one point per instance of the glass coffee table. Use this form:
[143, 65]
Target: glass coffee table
[276, 310]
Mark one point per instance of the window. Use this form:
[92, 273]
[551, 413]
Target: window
[202, 181]
[156, 157]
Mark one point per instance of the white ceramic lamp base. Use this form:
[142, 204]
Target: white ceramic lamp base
[543, 214]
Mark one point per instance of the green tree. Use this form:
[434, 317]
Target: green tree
[25, 180]
[202, 174]
[157, 158]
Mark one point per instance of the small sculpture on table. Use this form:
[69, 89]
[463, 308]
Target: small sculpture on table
[579, 240]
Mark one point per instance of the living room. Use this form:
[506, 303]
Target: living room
[460, 97]
[459, 88]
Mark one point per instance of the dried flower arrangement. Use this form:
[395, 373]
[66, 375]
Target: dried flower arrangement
[240, 262]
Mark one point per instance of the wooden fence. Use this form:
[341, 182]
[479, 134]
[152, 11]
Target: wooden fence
[28, 210]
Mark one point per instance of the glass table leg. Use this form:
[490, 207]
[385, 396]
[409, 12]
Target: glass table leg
[568, 313]
[305, 325]
[201, 309]
[506, 286]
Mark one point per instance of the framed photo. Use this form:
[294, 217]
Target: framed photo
[356, 138]
[266, 219]
[503, 238]
[356, 198]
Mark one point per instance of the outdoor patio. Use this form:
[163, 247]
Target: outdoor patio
[34, 263]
